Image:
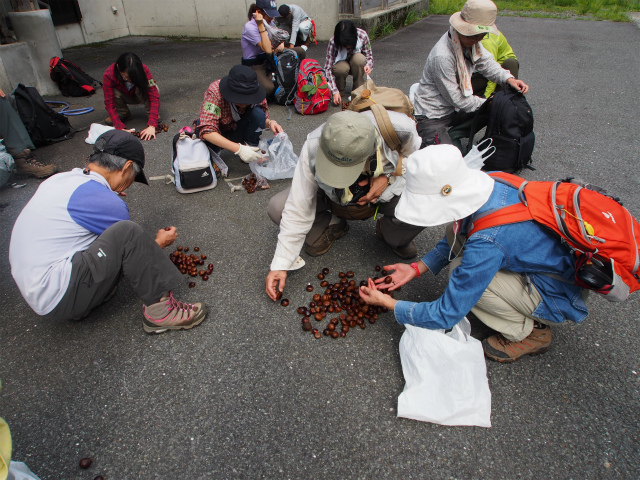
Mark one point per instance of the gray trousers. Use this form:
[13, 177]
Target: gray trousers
[394, 232]
[123, 250]
[16, 137]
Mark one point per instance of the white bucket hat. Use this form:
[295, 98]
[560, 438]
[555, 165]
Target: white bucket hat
[477, 17]
[440, 188]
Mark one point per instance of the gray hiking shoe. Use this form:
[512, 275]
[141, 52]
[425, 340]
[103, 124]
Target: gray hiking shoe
[326, 239]
[170, 314]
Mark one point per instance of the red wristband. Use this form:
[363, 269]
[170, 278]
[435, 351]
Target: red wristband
[415, 267]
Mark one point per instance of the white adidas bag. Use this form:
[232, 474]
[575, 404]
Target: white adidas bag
[192, 165]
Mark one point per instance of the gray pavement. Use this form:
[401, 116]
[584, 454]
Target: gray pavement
[248, 394]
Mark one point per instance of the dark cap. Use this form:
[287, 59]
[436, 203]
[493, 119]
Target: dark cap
[242, 86]
[269, 6]
[122, 144]
[284, 10]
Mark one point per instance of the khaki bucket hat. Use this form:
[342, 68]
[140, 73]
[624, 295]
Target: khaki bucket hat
[477, 17]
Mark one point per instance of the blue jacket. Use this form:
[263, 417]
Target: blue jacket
[520, 247]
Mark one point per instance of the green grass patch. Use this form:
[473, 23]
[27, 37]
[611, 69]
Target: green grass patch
[613, 10]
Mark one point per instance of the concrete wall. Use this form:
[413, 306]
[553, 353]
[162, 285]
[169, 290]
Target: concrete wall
[190, 18]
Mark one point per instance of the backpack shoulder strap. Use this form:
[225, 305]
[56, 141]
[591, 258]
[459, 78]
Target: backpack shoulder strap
[512, 214]
[518, 212]
[385, 126]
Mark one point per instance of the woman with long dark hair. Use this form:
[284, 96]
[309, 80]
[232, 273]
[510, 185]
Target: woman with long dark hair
[348, 53]
[129, 82]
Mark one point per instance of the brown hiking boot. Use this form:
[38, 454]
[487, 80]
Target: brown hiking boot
[28, 165]
[326, 239]
[501, 350]
[406, 252]
[170, 314]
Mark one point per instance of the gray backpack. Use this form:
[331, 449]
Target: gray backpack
[6, 165]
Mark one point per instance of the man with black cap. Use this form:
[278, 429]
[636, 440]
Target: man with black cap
[234, 112]
[73, 242]
[346, 170]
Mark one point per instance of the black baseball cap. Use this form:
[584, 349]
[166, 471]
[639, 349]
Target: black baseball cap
[269, 6]
[123, 144]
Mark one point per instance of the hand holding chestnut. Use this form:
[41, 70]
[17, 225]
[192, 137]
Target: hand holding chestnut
[275, 283]
[403, 273]
[372, 296]
[166, 236]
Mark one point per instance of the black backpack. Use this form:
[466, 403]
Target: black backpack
[45, 126]
[70, 78]
[287, 65]
[509, 121]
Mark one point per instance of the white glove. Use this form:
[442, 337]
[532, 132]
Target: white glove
[248, 154]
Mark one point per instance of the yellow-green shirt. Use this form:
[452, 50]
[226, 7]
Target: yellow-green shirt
[498, 46]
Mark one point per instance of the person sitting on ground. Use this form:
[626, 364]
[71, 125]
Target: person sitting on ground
[233, 114]
[348, 53]
[256, 44]
[18, 143]
[294, 20]
[516, 279]
[129, 82]
[73, 242]
[502, 52]
[345, 171]
[444, 98]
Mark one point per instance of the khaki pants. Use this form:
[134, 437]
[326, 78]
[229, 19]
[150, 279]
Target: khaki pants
[506, 305]
[352, 66]
[122, 101]
[264, 78]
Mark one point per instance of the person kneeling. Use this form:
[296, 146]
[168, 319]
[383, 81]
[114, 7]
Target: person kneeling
[73, 242]
[516, 278]
[346, 171]
[233, 114]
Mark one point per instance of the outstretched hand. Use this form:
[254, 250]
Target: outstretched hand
[402, 274]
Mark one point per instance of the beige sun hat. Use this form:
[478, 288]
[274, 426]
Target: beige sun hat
[440, 188]
[477, 17]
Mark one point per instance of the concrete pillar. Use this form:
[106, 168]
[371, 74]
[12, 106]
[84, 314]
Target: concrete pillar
[35, 28]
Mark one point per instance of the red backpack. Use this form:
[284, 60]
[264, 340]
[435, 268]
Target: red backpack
[312, 94]
[601, 233]
[71, 79]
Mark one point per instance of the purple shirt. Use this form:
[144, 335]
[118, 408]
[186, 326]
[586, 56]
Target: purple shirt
[250, 39]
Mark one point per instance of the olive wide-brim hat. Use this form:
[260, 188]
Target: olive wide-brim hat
[241, 86]
[477, 17]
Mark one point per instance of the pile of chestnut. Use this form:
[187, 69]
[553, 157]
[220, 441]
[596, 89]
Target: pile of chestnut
[191, 264]
[342, 302]
[251, 183]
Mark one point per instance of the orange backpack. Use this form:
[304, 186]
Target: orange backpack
[600, 232]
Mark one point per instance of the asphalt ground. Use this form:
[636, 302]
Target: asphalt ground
[248, 394]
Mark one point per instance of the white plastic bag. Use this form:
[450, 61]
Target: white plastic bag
[479, 153]
[446, 377]
[279, 161]
[19, 471]
[95, 131]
